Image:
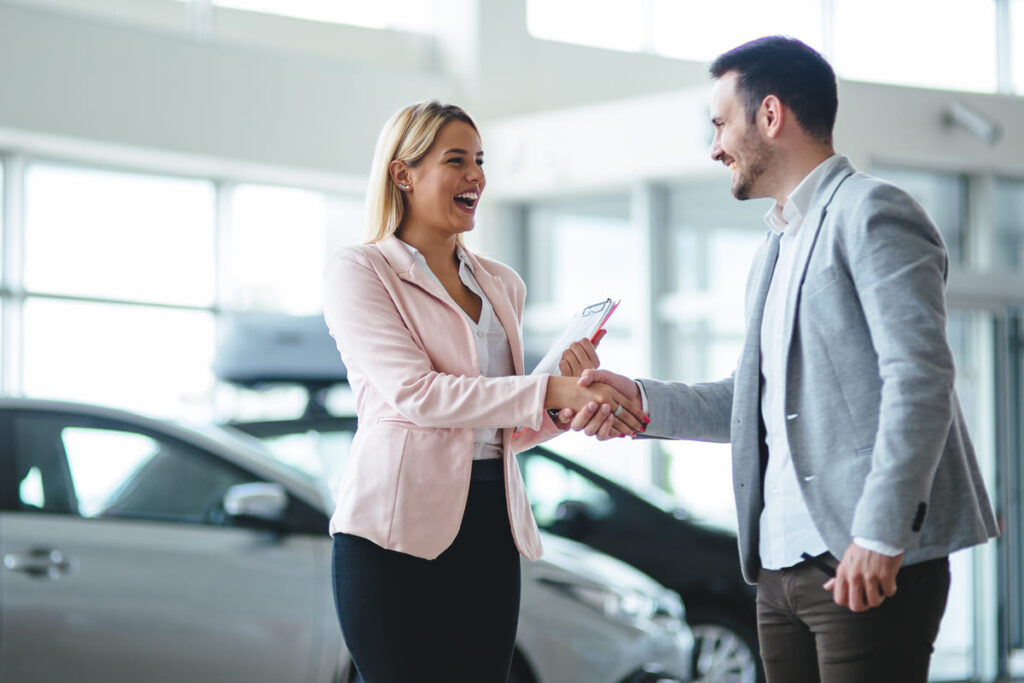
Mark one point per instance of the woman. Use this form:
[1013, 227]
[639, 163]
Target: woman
[431, 512]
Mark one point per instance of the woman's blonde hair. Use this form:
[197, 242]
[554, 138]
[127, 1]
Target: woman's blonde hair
[407, 136]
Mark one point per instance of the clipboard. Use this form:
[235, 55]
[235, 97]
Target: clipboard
[587, 323]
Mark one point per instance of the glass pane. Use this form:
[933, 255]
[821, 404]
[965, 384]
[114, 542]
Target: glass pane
[1017, 44]
[1008, 210]
[680, 29]
[615, 24]
[148, 359]
[3, 225]
[278, 247]
[119, 473]
[712, 240]
[952, 657]
[917, 42]
[552, 486]
[580, 252]
[120, 236]
[943, 196]
[67, 467]
[410, 15]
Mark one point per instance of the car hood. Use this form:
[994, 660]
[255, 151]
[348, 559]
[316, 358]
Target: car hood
[595, 566]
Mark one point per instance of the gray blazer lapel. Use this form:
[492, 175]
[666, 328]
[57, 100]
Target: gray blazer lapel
[814, 220]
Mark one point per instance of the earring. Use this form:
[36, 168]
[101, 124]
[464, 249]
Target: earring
[403, 187]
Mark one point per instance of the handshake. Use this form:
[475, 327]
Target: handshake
[598, 403]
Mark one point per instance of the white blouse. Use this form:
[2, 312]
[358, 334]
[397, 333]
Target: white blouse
[492, 347]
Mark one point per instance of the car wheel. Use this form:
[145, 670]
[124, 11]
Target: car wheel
[722, 655]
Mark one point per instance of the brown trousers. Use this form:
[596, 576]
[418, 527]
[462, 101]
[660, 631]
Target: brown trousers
[807, 638]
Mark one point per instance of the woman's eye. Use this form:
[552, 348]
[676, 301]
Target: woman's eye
[456, 160]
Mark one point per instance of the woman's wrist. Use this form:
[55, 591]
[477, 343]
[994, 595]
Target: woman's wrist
[559, 393]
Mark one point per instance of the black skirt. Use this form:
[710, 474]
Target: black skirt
[451, 619]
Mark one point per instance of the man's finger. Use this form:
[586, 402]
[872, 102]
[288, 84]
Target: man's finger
[583, 417]
[889, 585]
[839, 591]
[856, 601]
[595, 423]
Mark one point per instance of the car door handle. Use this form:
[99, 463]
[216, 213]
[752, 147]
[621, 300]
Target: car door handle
[39, 563]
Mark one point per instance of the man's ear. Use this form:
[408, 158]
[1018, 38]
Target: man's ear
[400, 174]
[770, 116]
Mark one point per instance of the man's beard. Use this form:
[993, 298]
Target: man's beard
[758, 158]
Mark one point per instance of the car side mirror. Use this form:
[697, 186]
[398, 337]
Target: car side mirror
[261, 501]
[572, 519]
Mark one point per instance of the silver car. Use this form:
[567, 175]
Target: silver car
[142, 550]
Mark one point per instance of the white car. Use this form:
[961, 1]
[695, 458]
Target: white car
[142, 550]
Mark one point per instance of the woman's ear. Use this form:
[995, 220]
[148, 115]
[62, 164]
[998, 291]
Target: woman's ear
[400, 175]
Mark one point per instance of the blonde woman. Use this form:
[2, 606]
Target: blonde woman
[431, 513]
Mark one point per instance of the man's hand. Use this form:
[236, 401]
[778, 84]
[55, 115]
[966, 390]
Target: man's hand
[580, 355]
[864, 579]
[619, 414]
[599, 421]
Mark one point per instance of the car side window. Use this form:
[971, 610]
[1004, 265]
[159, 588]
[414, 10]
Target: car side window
[112, 471]
[551, 485]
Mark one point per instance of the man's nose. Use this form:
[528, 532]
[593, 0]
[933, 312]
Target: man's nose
[716, 148]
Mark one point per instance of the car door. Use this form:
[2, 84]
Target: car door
[121, 565]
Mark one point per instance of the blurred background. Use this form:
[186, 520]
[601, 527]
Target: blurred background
[169, 165]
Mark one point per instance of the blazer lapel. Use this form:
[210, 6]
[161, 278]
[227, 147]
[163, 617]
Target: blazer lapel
[399, 258]
[814, 220]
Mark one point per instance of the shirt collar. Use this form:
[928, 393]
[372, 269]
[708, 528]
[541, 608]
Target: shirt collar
[421, 260]
[779, 218]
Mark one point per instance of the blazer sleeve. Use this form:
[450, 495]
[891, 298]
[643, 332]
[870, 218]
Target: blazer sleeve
[898, 264]
[373, 338]
[701, 412]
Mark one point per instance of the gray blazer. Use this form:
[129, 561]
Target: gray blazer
[877, 437]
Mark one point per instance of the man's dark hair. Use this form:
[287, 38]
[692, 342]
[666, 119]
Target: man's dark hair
[790, 70]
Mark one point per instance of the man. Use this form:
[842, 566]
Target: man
[850, 452]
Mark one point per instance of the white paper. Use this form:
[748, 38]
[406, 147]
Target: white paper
[586, 323]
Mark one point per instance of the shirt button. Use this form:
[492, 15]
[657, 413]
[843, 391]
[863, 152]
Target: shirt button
[480, 334]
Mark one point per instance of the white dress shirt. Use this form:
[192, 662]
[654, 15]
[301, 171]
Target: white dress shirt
[786, 527]
[492, 347]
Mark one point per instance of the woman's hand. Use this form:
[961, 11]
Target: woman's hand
[580, 356]
[624, 415]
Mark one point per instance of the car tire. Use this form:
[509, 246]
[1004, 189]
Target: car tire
[724, 650]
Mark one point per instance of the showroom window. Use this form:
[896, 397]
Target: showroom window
[1008, 209]
[1017, 44]
[122, 236]
[924, 47]
[148, 358]
[124, 276]
[409, 15]
[274, 233]
[951, 49]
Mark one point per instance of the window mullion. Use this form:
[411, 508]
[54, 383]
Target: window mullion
[13, 250]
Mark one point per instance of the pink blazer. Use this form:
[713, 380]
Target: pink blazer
[413, 366]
